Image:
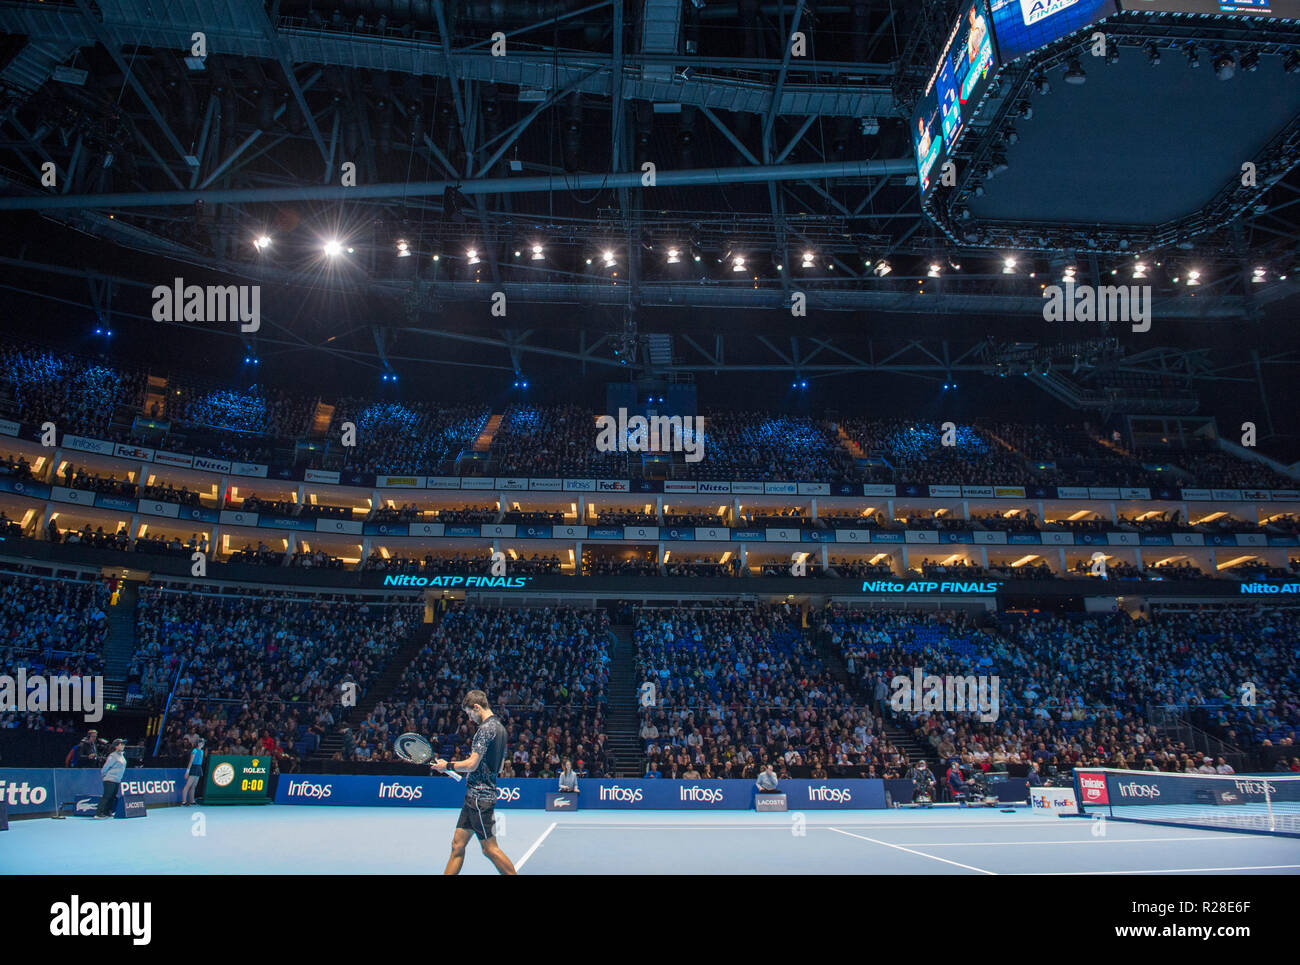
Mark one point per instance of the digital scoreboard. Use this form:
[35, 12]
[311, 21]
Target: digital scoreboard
[238, 780]
[1272, 9]
[956, 86]
[1023, 26]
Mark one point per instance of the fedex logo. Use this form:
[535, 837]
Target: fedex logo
[1036, 10]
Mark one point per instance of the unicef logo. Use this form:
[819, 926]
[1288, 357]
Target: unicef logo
[223, 775]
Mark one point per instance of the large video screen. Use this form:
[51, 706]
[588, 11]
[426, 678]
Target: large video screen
[1283, 9]
[1023, 26]
[955, 87]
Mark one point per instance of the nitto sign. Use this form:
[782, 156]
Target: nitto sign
[469, 582]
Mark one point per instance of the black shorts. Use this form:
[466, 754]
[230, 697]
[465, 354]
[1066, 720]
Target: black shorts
[479, 819]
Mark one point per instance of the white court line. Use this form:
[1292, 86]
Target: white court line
[1171, 871]
[910, 851]
[536, 844]
[767, 826]
[1053, 844]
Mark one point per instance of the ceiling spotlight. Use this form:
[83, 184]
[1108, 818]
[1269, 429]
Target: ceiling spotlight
[935, 269]
[1069, 273]
[537, 253]
[1259, 276]
[333, 249]
[738, 263]
[1193, 58]
[1193, 277]
[1074, 73]
[1153, 53]
[883, 268]
[472, 255]
[262, 242]
[518, 253]
[1008, 265]
[1139, 270]
[1225, 65]
[807, 259]
[674, 256]
[437, 257]
[403, 250]
[610, 260]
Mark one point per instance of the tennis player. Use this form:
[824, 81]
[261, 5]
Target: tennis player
[477, 814]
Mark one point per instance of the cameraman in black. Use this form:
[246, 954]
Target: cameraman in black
[922, 779]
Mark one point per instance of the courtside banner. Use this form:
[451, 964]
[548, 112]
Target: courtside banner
[353, 790]
[38, 790]
[860, 793]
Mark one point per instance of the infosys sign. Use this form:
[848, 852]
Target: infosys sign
[352, 790]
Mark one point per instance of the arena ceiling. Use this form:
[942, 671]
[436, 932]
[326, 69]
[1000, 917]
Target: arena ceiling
[169, 164]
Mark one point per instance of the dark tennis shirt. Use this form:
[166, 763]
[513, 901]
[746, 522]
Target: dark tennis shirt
[490, 744]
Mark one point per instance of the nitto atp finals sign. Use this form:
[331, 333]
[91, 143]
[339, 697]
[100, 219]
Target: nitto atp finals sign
[470, 582]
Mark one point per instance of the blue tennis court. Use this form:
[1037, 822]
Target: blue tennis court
[342, 840]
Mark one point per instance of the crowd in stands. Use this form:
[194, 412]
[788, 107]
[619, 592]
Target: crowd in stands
[396, 437]
[864, 569]
[258, 671]
[172, 545]
[317, 559]
[1215, 469]
[678, 518]
[50, 627]
[252, 503]
[552, 442]
[109, 485]
[735, 687]
[545, 672]
[170, 494]
[1076, 689]
[259, 555]
[918, 454]
[466, 514]
[9, 528]
[16, 466]
[762, 446]
[86, 536]
[636, 563]
[532, 516]
[625, 517]
[700, 566]
[255, 423]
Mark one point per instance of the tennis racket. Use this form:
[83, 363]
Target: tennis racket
[417, 750]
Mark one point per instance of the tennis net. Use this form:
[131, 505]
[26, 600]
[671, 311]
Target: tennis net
[1266, 803]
